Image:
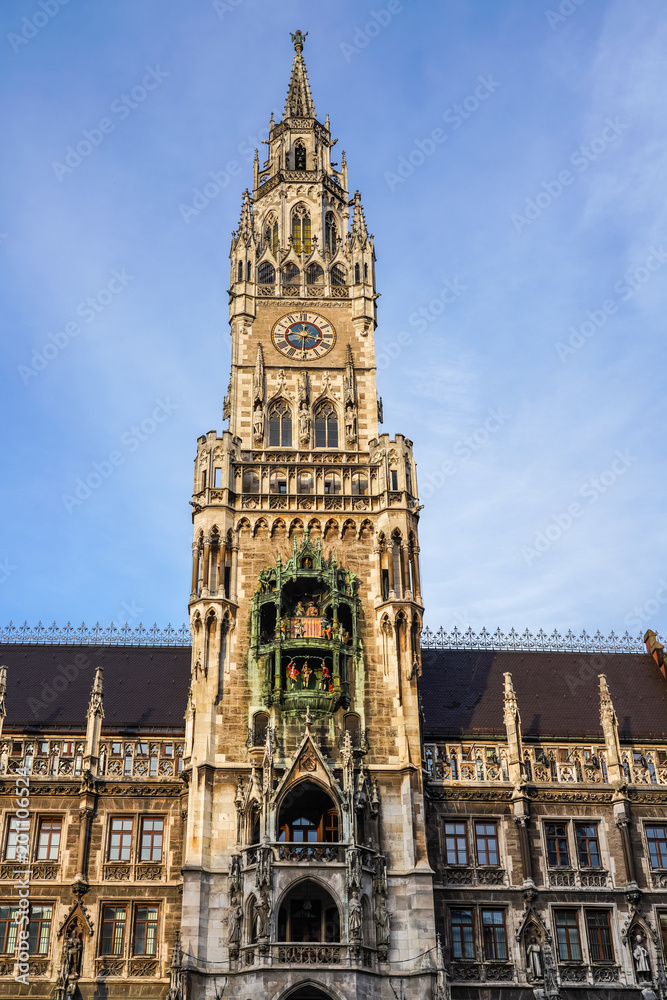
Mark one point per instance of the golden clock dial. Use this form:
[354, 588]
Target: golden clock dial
[303, 336]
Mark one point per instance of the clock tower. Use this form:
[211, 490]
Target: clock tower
[306, 873]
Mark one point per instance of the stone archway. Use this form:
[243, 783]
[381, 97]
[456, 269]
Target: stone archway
[308, 992]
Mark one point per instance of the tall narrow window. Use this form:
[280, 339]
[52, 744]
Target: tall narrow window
[145, 930]
[357, 274]
[588, 847]
[248, 271]
[359, 484]
[113, 930]
[314, 275]
[557, 851]
[8, 928]
[486, 838]
[331, 483]
[657, 845]
[567, 935]
[599, 936]
[495, 941]
[393, 479]
[305, 483]
[271, 235]
[301, 236]
[266, 274]
[299, 156]
[280, 426]
[330, 232]
[39, 929]
[48, 841]
[250, 481]
[456, 844]
[240, 271]
[152, 832]
[18, 838]
[278, 482]
[120, 838]
[290, 274]
[337, 275]
[463, 945]
[326, 426]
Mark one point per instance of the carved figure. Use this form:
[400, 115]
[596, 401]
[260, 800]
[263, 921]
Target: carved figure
[304, 425]
[299, 612]
[305, 674]
[535, 960]
[73, 950]
[293, 673]
[382, 923]
[311, 610]
[297, 629]
[355, 916]
[262, 915]
[640, 955]
[298, 38]
[258, 424]
[325, 677]
[326, 628]
[350, 424]
[235, 921]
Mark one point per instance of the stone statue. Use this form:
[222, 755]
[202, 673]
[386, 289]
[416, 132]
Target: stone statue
[382, 923]
[535, 961]
[262, 915]
[258, 424]
[235, 921]
[640, 955]
[355, 916]
[350, 424]
[73, 951]
[304, 425]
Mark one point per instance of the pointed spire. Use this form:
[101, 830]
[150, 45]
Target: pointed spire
[358, 221]
[96, 703]
[245, 222]
[609, 723]
[258, 380]
[349, 379]
[512, 719]
[299, 102]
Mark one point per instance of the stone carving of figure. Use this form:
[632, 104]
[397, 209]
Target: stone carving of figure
[640, 955]
[73, 951]
[350, 424]
[304, 425]
[355, 916]
[235, 921]
[262, 915]
[258, 424]
[535, 963]
[382, 923]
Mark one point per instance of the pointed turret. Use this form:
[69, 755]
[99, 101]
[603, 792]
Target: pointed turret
[299, 102]
[359, 229]
[258, 379]
[95, 715]
[245, 222]
[349, 379]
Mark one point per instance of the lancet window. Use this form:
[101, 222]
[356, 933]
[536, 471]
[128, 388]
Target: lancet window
[301, 230]
[300, 156]
[280, 426]
[326, 426]
[271, 234]
[266, 273]
[330, 232]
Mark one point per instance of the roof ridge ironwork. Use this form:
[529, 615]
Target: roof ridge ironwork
[553, 642]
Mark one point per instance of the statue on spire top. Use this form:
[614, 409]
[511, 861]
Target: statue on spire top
[298, 40]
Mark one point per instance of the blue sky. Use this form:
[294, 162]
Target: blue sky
[511, 158]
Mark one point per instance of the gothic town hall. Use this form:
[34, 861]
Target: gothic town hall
[307, 797]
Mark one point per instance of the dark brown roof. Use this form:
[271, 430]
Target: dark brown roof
[49, 686]
[558, 693]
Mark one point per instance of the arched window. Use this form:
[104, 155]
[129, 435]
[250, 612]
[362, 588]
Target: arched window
[278, 481]
[359, 484]
[240, 271]
[331, 483]
[330, 232]
[260, 726]
[314, 275]
[326, 426]
[353, 727]
[255, 824]
[338, 274]
[308, 816]
[248, 271]
[280, 426]
[299, 156]
[250, 481]
[308, 914]
[290, 274]
[357, 274]
[365, 272]
[271, 234]
[305, 482]
[301, 237]
[266, 273]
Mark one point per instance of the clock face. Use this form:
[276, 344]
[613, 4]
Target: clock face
[303, 336]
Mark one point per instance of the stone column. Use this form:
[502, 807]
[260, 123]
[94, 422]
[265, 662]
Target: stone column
[195, 570]
[390, 568]
[234, 572]
[414, 563]
[206, 566]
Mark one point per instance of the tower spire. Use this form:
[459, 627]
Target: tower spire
[358, 221]
[245, 222]
[299, 102]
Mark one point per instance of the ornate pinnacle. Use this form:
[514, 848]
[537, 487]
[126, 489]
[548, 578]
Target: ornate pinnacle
[607, 713]
[96, 703]
[510, 702]
[3, 691]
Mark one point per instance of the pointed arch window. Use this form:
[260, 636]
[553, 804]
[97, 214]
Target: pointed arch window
[337, 275]
[290, 274]
[326, 426]
[359, 484]
[271, 234]
[357, 274]
[250, 481]
[240, 271]
[330, 232]
[280, 426]
[314, 275]
[300, 156]
[301, 230]
[266, 273]
[331, 484]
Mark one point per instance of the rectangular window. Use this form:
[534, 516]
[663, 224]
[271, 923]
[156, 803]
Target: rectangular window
[18, 839]
[113, 930]
[217, 478]
[657, 845]
[145, 930]
[455, 844]
[116, 749]
[567, 935]
[39, 929]
[463, 945]
[557, 851]
[588, 848]
[8, 928]
[599, 936]
[120, 839]
[48, 840]
[393, 475]
[495, 941]
[151, 839]
[486, 839]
